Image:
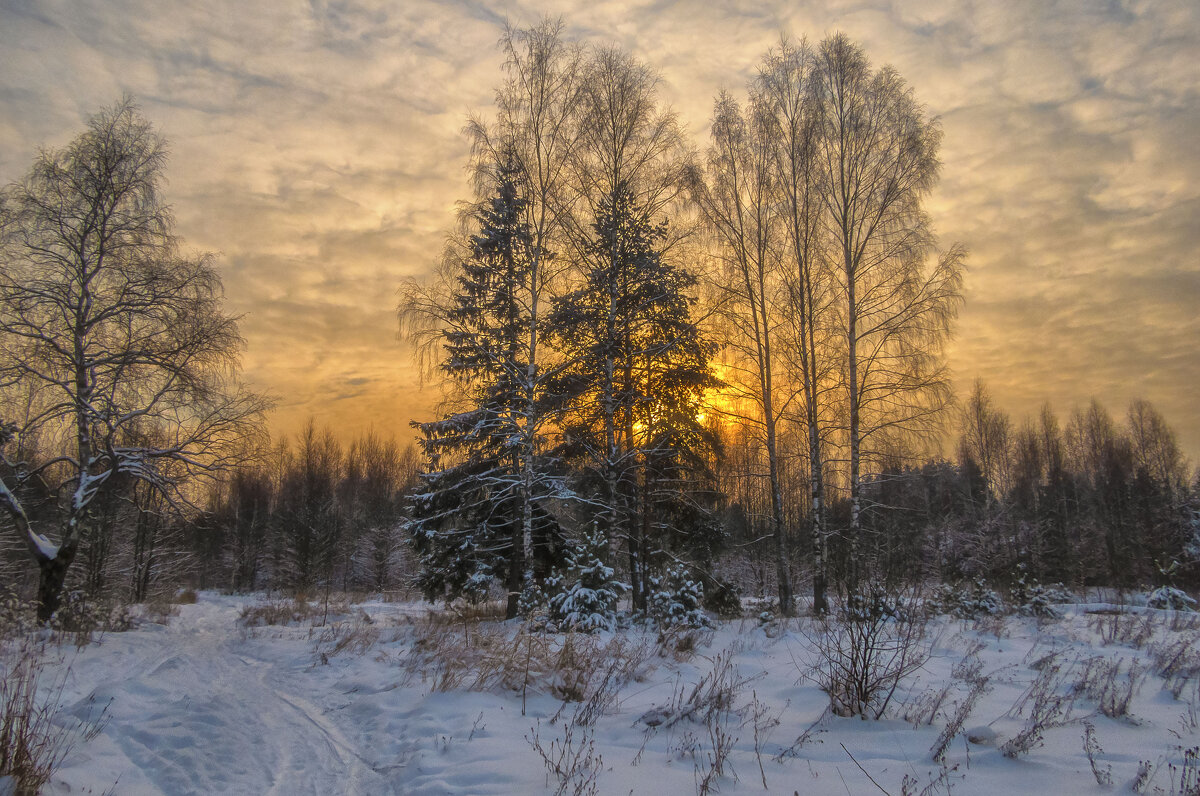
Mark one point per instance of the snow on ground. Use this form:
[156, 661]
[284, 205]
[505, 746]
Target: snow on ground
[205, 705]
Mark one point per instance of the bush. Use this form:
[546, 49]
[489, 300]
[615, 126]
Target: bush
[1034, 599]
[866, 650]
[965, 603]
[17, 617]
[677, 599]
[1171, 598]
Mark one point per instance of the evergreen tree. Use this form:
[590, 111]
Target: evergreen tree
[476, 517]
[639, 368]
[584, 597]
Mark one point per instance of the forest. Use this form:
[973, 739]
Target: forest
[671, 373]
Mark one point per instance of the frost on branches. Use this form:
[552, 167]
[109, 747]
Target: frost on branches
[478, 518]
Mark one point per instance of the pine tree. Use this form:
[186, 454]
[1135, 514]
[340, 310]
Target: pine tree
[639, 370]
[476, 518]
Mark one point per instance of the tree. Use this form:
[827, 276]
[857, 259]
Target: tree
[985, 441]
[528, 147]
[739, 203]
[118, 336]
[639, 368]
[877, 160]
[475, 517]
[536, 136]
[784, 96]
[628, 169]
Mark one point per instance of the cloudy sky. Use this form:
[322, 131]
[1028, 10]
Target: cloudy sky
[316, 146]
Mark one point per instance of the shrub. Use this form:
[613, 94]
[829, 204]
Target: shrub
[17, 617]
[866, 650]
[1171, 598]
[965, 603]
[677, 599]
[1034, 599]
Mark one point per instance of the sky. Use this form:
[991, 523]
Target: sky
[317, 148]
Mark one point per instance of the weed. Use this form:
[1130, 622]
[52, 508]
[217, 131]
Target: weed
[959, 717]
[571, 759]
[1092, 748]
[32, 743]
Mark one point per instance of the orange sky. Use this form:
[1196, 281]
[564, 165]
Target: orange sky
[317, 148]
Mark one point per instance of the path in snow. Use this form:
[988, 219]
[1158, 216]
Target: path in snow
[195, 708]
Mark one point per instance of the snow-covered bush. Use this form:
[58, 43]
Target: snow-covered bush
[1172, 598]
[872, 603]
[964, 602]
[1035, 599]
[17, 616]
[677, 599]
[586, 591]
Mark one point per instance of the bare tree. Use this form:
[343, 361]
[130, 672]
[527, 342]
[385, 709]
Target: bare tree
[877, 156]
[785, 100]
[738, 201]
[121, 337]
[1155, 448]
[985, 440]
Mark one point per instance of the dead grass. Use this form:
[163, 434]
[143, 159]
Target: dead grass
[1131, 629]
[32, 743]
[185, 597]
[290, 612]
[483, 656]
[355, 637]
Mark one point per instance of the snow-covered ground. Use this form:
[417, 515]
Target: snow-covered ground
[202, 704]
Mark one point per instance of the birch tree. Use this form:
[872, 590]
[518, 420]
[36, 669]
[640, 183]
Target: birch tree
[784, 93]
[739, 204]
[121, 336]
[877, 159]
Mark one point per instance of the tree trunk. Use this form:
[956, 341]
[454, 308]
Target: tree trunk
[52, 576]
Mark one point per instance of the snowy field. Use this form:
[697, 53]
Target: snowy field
[386, 698]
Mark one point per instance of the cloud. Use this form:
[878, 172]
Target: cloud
[317, 147]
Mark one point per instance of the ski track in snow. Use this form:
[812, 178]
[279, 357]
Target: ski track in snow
[194, 710]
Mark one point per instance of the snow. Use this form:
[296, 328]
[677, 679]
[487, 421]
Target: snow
[204, 705]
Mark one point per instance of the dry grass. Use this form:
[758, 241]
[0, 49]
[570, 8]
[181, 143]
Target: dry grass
[289, 612]
[1131, 629]
[186, 597]
[32, 743]
[356, 637]
[484, 656]
[571, 759]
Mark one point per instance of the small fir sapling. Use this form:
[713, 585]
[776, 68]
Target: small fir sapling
[588, 599]
[677, 599]
[965, 603]
[1171, 598]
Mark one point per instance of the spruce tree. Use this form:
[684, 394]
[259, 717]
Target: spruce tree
[639, 368]
[475, 517]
